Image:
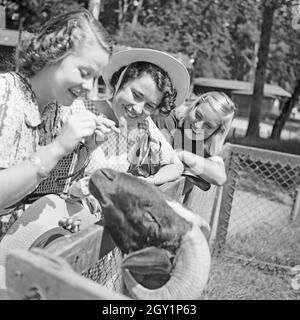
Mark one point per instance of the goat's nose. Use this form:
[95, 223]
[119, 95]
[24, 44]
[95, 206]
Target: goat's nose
[109, 174]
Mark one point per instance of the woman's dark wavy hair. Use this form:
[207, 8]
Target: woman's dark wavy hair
[56, 40]
[160, 77]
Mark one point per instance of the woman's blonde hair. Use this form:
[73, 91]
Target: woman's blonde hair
[226, 108]
[58, 38]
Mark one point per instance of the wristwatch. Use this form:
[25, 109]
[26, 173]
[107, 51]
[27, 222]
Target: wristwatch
[37, 162]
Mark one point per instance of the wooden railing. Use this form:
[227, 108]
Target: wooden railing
[55, 272]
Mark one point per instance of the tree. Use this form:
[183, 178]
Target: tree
[194, 28]
[269, 10]
[284, 63]
[244, 20]
[95, 7]
[286, 110]
[31, 14]
[263, 51]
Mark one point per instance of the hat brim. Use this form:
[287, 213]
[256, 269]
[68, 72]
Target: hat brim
[39, 225]
[176, 70]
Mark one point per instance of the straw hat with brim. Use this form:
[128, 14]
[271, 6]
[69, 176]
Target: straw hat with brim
[176, 70]
[39, 225]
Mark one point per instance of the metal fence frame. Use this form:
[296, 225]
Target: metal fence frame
[231, 155]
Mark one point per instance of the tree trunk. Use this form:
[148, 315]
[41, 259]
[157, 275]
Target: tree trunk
[253, 63]
[122, 15]
[285, 112]
[136, 14]
[263, 51]
[94, 7]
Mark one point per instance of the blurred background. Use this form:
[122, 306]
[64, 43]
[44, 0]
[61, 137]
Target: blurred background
[248, 48]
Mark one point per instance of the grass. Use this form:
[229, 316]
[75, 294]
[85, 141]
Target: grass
[254, 183]
[231, 281]
[273, 243]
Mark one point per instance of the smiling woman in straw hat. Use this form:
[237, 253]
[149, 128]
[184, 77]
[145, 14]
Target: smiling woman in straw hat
[143, 82]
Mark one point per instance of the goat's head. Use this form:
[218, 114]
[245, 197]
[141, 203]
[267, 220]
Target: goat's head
[167, 256]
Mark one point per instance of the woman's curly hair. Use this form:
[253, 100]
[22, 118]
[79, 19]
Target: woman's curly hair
[54, 41]
[160, 77]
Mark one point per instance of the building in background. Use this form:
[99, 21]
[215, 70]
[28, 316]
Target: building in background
[241, 93]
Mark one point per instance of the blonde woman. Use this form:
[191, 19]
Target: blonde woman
[57, 64]
[198, 133]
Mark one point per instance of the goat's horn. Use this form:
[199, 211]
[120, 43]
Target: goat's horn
[189, 276]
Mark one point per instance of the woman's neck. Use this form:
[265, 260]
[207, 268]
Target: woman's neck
[40, 86]
[106, 109]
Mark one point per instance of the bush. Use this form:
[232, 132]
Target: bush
[286, 146]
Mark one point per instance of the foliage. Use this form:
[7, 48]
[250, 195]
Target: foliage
[244, 33]
[287, 146]
[175, 26]
[30, 14]
[222, 37]
[284, 64]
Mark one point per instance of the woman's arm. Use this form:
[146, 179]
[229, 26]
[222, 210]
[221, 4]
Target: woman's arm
[21, 179]
[166, 174]
[210, 169]
[171, 166]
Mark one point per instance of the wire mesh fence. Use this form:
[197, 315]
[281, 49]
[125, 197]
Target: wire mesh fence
[107, 271]
[256, 224]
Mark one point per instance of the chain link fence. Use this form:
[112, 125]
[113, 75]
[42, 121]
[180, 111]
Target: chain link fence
[257, 223]
[107, 271]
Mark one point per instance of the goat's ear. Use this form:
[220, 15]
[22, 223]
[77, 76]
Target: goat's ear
[150, 260]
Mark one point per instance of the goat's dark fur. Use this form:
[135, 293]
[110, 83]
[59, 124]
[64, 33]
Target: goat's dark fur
[136, 213]
[138, 217]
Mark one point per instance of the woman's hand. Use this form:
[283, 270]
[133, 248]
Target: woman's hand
[72, 224]
[188, 158]
[80, 189]
[78, 126]
[82, 125]
[103, 127]
[212, 171]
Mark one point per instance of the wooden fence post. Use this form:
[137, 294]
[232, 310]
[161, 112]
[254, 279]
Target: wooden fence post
[2, 17]
[296, 206]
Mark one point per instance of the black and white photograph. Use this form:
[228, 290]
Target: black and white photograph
[149, 151]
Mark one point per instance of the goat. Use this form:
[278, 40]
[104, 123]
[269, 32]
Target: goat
[166, 253]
